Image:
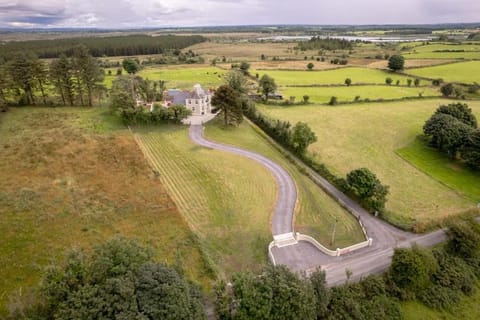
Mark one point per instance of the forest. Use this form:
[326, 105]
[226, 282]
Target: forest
[100, 46]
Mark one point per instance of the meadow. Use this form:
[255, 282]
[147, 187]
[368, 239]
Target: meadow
[368, 135]
[463, 72]
[67, 181]
[336, 76]
[227, 200]
[185, 76]
[348, 94]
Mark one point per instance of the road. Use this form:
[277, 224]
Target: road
[303, 256]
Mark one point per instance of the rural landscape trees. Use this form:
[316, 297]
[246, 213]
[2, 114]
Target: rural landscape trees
[396, 62]
[267, 86]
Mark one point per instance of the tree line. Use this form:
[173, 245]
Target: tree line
[100, 46]
[27, 80]
[453, 130]
[317, 43]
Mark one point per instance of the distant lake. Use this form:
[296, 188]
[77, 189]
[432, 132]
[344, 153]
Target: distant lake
[351, 38]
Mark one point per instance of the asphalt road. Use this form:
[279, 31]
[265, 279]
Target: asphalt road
[305, 257]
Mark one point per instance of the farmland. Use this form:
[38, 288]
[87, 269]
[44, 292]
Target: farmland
[367, 136]
[67, 180]
[230, 214]
[337, 76]
[444, 51]
[348, 94]
[184, 77]
[463, 72]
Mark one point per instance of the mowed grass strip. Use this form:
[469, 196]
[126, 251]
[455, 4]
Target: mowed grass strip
[442, 168]
[226, 199]
[336, 76]
[348, 94]
[185, 77]
[316, 211]
[368, 135]
[464, 72]
[74, 177]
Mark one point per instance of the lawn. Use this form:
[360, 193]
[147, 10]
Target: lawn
[344, 93]
[316, 211]
[75, 177]
[368, 135]
[442, 168]
[185, 77]
[464, 72]
[228, 200]
[337, 76]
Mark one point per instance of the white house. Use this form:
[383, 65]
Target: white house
[198, 100]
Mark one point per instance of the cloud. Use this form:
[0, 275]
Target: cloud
[153, 13]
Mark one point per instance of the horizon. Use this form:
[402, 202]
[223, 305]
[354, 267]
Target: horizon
[127, 14]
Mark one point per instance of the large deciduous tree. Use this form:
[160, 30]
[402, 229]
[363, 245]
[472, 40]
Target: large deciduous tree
[302, 136]
[367, 187]
[227, 100]
[267, 85]
[396, 62]
[130, 65]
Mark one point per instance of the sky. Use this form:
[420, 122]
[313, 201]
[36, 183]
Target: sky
[164, 13]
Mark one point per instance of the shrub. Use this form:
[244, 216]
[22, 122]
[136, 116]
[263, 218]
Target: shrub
[388, 80]
[333, 101]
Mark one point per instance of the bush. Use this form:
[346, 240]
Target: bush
[333, 101]
[364, 185]
[388, 80]
[437, 82]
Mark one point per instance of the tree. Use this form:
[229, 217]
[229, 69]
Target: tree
[267, 86]
[227, 100]
[333, 101]
[61, 75]
[416, 82]
[130, 65]
[460, 111]
[40, 74]
[20, 70]
[348, 82]
[409, 82]
[396, 62]
[470, 150]
[310, 66]
[411, 269]
[122, 94]
[367, 187]
[244, 66]
[237, 81]
[118, 281]
[388, 80]
[447, 89]
[302, 137]
[306, 97]
[446, 133]
[90, 74]
[464, 239]
[322, 294]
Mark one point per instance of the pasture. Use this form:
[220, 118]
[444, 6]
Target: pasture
[185, 76]
[463, 72]
[228, 200]
[336, 76]
[67, 180]
[368, 135]
[348, 94]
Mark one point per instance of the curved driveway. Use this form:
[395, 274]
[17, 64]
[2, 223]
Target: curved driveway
[282, 221]
[305, 257]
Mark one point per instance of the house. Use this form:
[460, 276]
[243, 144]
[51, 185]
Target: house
[198, 101]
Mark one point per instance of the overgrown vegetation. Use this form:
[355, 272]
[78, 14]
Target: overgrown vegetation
[317, 43]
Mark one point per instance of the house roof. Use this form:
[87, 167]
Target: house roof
[178, 96]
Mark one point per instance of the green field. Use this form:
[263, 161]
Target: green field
[228, 200]
[368, 135]
[443, 47]
[337, 76]
[442, 168]
[67, 181]
[433, 51]
[467, 309]
[323, 94]
[464, 72]
[185, 77]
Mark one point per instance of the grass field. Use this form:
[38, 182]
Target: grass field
[442, 168]
[467, 309]
[368, 135]
[316, 212]
[75, 177]
[228, 200]
[443, 47]
[185, 76]
[464, 72]
[472, 55]
[337, 76]
[344, 93]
